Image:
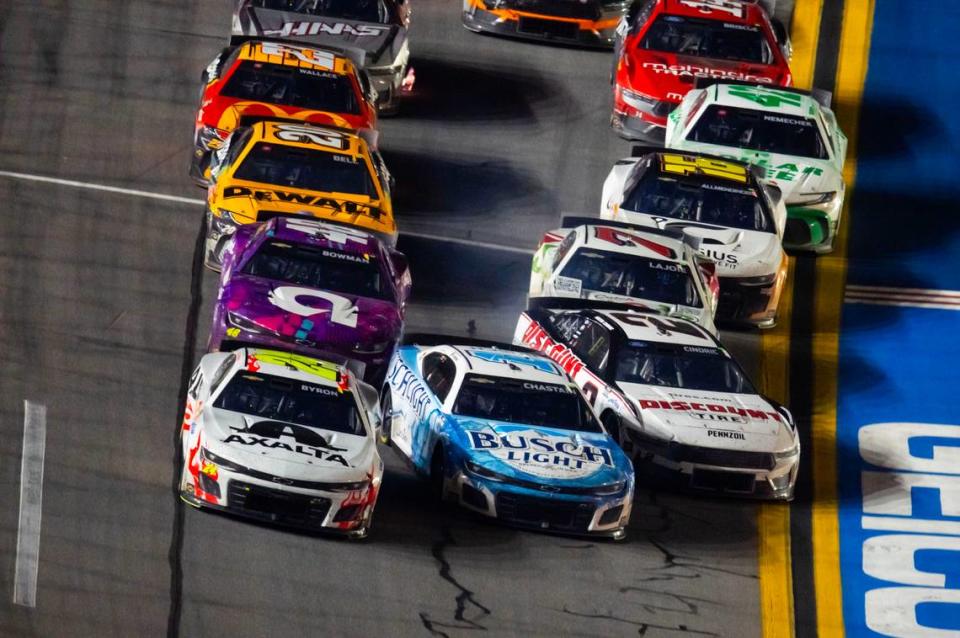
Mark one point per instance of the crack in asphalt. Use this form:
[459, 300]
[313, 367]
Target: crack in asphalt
[689, 604]
[466, 598]
[175, 553]
[642, 627]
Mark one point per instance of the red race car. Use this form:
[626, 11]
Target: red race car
[662, 46]
[262, 80]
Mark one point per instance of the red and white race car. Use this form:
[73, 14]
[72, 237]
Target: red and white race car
[662, 46]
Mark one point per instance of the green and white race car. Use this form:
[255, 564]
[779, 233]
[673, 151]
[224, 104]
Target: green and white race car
[789, 133]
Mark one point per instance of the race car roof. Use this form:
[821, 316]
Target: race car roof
[509, 364]
[314, 232]
[294, 366]
[645, 326]
[631, 241]
[763, 98]
[316, 138]
[735, 11]
[295, 55]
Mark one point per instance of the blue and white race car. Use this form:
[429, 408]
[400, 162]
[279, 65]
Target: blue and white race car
[504, 432]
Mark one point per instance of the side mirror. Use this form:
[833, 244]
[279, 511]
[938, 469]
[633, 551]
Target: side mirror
[773, 191]
[370, 400]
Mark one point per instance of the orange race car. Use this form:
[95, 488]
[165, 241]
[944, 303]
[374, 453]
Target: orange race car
[273, 169]
[585, 22]
[268, 80]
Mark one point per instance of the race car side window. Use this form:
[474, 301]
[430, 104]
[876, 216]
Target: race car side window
[564, 249]
[639, 13]
[593, 346]
[438, 373]
[221, 373]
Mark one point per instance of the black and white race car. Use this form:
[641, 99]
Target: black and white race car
[673, 396]
[373, 33]
[281, 438]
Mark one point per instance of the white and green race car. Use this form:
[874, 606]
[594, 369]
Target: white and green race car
[789, 133]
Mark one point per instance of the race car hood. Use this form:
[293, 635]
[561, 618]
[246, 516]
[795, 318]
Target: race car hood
[309, 315]
[737, 252]
[697, 315]
[285, 449]
[364, 42]
[710, 419]
[669, 77]
[550, 456]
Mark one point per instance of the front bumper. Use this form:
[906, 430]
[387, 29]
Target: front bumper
[747, 304]
[542, 28]
[690, 468]
[348, 513]
[812, 228]
[636, 128]
[576, 515]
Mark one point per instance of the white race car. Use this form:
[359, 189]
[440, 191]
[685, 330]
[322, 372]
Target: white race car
[680, 404]
[736, 218]
[282, 438]
[614, 261]
[789, 133]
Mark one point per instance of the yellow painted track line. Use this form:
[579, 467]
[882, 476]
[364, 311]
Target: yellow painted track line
[804, 33]
[831, 276]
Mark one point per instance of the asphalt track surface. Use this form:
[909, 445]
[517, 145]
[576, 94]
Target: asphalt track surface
[104, 310]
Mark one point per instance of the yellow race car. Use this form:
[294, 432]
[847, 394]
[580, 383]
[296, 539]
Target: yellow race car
[272, 169]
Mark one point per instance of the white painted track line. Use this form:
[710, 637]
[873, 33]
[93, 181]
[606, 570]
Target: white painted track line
[31, 503]
[30, 177]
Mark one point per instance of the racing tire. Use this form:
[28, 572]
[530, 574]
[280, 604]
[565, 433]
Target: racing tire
[386, 422]
[611, 423]
[437, 469]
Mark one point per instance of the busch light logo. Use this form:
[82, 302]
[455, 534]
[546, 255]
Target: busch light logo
[554, 457]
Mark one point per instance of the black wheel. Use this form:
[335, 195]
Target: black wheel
[386, 420]
[436, 474]
[611, 423]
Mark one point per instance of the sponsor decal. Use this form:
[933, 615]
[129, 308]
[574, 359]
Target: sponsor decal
[720, 256]
[342, 310]
[697, 71]
[318, 201]
[769, 98]
[296, 439]
[359, 259]
[546, 387]
[406, 384]
[541, 455]
[326, 28]
[714, 408]
[301, 134]
[538, 339]
[719, 418]
[569, 285]
[334, 234]
[690, 165]
[727, 434]
[622, 238]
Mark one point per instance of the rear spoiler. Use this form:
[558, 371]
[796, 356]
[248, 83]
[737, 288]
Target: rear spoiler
[823, 98]
[575, 303]
[430, 339]
[572, 221]
[638, 150]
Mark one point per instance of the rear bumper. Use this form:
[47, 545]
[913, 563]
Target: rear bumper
[638, 129]
[542, 28]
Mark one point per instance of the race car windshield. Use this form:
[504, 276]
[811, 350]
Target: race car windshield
[358, 10]
[292, 86]
[322, 268]
[759, 131]
[302, 168]
[708, 39]
[630, 276]
[293, 401]
[674, 366]
[716, 202]
[546, 405]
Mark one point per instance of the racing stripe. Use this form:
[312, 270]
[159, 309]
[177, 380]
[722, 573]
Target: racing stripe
[804, 34]
[831, 275]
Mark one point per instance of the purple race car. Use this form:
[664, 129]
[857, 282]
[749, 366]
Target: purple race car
[313, 287]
